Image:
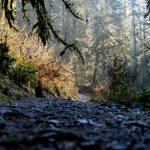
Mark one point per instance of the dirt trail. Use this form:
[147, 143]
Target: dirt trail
[56, 124]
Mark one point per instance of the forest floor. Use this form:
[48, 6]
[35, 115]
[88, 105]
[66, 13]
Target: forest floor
[56, 124]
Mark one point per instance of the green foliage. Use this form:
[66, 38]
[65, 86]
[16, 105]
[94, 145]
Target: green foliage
[5, 59]
[3, 97]
[118, 73]
[121, 81]
[24, 73]
[144, 96]
[120, 94]
[32, 79]
[10, 91]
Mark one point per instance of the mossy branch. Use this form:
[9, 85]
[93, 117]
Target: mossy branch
[44, 22]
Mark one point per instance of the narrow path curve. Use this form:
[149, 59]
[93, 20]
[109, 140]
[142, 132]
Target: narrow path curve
[56, 124]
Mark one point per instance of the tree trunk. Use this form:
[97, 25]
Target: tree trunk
[38, 90]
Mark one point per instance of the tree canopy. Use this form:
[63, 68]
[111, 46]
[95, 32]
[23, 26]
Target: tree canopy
[44, 25]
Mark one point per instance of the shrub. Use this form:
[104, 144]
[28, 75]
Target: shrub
[24, 73]
[121, 81]
[53, 74]
[57, 80]
[144, 96]
[100, 91]
[120, 93]
[119, 74]
[3, 97]
[5, 59]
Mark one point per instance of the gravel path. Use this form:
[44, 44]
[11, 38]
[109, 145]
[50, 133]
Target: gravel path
[56, 124]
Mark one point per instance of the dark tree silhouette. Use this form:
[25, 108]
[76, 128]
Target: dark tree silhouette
[148, 8]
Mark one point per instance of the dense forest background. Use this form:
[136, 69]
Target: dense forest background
[112, 36]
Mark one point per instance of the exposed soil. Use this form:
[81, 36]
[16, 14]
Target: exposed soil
[56, 124]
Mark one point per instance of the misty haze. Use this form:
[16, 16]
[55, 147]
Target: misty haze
[75, 74]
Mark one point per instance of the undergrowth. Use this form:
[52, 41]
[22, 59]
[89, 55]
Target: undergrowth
[120, 88]
[28, 63]
[144, 96]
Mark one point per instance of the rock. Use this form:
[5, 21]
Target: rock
[67, 146]
[117, 146]
[92, 145]
[53, 121]
[137, 107]
[88, 122]
[147, 140]
[140, 147]
[137, 123]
